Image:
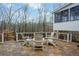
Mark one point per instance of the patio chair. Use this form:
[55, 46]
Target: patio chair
[52, 39]
[38, 42]
[26, 40]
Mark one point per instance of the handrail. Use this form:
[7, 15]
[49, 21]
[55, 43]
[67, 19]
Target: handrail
[30, 32]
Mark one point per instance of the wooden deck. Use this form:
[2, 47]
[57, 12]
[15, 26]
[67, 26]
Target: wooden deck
[62, 49]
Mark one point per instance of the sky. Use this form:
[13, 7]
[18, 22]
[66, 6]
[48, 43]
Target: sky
[33, 8]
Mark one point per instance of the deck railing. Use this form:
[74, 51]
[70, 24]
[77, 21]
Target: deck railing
[31, 34]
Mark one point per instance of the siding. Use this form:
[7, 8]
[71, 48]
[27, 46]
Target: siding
[67, 26]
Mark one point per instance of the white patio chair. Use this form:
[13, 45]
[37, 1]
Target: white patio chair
[26, 40]
[52, 39]
[38, 42]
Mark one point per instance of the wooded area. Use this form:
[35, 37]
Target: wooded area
[15, 19]
[18, 20]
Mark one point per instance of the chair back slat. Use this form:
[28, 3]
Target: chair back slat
[38, 36]
[52, 34]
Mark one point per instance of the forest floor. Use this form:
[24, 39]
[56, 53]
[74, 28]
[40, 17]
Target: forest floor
[62, 49]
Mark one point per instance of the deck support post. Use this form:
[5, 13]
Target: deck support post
[68, 37]
[57, 34]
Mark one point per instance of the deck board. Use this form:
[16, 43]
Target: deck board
[62, 49]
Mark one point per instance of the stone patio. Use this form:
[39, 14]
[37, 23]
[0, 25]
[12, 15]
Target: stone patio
[17, 49]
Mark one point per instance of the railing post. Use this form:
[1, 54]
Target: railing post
[34, 34]
[68, 37]
[17, 37]
[3, 37]
[46, 34]
[57, 34]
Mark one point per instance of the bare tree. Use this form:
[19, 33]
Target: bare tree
[25, 10]
[40, 16]
[44, 20]
[17, 20]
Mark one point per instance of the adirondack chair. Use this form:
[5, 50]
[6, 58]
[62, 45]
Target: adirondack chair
[38, 42]
[52, 39]
[27, 40]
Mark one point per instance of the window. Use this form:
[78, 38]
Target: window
[74, 13]
[61, 16]
[58, 17]
[64, 15]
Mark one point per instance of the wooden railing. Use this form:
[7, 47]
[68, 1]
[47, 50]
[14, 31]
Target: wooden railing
[45, 34]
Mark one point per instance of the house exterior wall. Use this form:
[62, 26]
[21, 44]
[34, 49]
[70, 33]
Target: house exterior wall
[66, 26]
